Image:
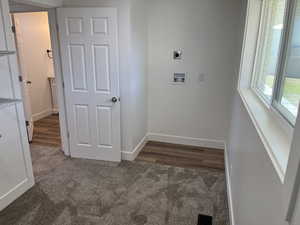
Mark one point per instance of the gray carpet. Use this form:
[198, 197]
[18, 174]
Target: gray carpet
[86, 192]
[45, 159]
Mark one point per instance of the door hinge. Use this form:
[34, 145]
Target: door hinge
[13, 29]
[68, 134]
[63, 85]
[20, 78]
[57, 27]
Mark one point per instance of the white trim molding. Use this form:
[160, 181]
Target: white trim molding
[59, 82]
[130, 156]
[55, 110]
[276, 141]
[199, 142]
[228, 185]
[41, 115]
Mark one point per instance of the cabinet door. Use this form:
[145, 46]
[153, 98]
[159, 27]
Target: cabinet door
[15, 166]
[16, 175]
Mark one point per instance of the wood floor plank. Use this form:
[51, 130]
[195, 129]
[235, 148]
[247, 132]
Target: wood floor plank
[47, 132]
[182, 155]
[180, 146]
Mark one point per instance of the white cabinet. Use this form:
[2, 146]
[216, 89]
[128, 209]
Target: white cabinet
[16, 175]
[15, 172]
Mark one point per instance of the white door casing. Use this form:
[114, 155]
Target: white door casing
[89, 51]
[25, 82]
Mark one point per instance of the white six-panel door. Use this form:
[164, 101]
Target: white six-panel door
[89, 51]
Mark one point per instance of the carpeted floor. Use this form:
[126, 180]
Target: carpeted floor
[45, 159]
[86, 192]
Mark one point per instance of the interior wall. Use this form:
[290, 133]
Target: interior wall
[258, 195]
[35, 39]
[206, 33]
[19, 7]
[138, 70]
[257, 192]
[296, 215]
[42, 3]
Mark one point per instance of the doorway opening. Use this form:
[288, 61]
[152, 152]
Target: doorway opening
[33, 44]
[39, 89]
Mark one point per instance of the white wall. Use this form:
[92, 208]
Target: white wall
[138, 70]
[19, 7]
[42, 3]
[296, 215]
[257, 192]
[35, 38]
[258, 195]
[205, 30]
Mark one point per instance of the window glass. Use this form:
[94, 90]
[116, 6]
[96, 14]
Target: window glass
[269, 46]
[290, 90]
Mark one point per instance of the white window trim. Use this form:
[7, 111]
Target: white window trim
[273, 130]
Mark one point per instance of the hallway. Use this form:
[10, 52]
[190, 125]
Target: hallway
[47, 131]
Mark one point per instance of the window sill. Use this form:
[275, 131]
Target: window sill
[276, 141]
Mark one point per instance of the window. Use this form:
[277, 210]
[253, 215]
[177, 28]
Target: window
[276, 72]
[289, 93]
[268, 47]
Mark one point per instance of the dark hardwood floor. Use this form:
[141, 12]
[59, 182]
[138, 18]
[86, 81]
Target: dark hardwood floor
[182, 155]
[46, 131]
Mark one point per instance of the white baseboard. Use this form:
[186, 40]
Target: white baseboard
[41, 115]
[229, 191]
[130, 156]
[200, 142]
[55, 110]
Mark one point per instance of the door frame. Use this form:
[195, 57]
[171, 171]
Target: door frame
[23, 78]
[64, 131]
[53, 27]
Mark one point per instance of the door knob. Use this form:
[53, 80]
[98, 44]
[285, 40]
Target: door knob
[114, 99]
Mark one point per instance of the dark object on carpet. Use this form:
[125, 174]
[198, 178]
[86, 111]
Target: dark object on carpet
[204, 220]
